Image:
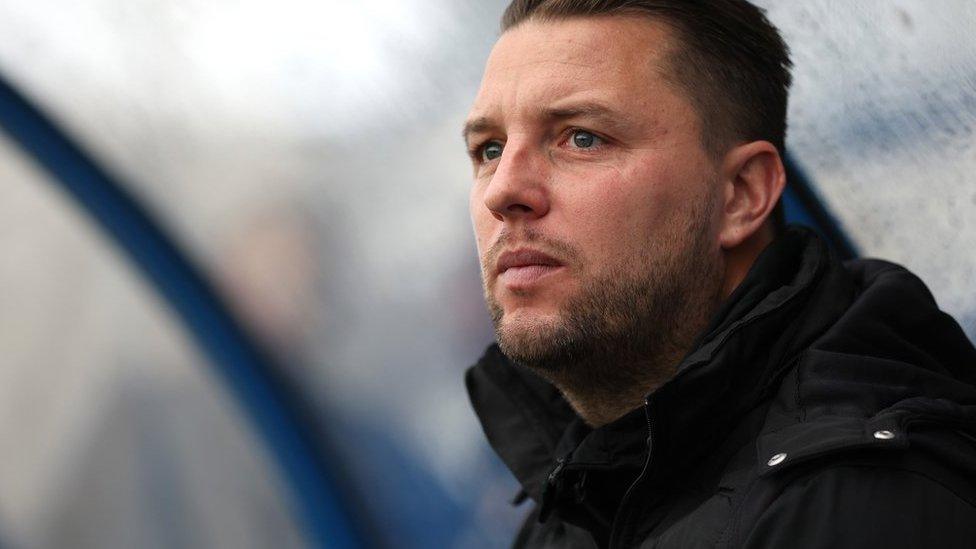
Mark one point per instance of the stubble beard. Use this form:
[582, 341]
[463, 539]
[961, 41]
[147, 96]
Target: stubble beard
[622, 334]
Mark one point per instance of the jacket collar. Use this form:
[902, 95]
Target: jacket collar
[793, 292]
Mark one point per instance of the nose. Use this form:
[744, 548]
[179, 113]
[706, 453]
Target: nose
[518, 189]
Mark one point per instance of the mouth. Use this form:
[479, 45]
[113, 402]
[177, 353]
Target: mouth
[518, 269]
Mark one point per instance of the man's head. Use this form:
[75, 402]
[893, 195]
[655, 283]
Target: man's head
[728, 60]
[625, 171]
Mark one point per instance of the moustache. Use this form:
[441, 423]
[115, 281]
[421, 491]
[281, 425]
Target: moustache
[563, 252]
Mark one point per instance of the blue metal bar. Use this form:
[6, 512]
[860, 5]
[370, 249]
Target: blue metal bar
[275, 408]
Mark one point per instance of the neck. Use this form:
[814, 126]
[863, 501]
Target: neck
[612, 380]
[607, 385]
[606, 392]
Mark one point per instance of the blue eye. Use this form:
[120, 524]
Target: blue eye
[491, 151]
[584, 139]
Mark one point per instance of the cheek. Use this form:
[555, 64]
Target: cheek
[624, 212]
[632, 201]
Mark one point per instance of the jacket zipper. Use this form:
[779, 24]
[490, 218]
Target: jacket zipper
[615, 527]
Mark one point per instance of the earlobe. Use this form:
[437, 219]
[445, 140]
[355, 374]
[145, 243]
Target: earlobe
[754, 178]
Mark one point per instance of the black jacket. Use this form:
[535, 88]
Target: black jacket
[828, 405]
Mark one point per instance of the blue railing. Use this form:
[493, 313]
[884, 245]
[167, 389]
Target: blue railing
[274, 407]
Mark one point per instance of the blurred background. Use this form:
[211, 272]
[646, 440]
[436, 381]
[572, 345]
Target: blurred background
[305, 157]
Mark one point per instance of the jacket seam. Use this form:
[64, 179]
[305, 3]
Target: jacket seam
[801, 411]
[732, 529]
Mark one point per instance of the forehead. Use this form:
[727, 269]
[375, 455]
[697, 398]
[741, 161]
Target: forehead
[610, 59]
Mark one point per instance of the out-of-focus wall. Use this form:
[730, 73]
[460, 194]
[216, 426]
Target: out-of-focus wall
[883, 117]
[308, 155]
[114, 433]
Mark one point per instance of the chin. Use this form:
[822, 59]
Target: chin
[525, 335]
[529, 318]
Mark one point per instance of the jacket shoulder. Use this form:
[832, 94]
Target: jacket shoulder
[896, 501]
[862, 451]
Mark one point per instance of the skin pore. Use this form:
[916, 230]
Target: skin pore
[607, 235]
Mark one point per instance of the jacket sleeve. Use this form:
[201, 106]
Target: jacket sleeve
[864, 507]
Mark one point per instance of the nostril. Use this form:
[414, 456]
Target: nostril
[516, 195]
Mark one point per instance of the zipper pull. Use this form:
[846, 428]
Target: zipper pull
[553, 477]
[549, 490]
[650, 428]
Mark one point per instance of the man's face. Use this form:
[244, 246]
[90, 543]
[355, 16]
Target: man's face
[593, 199]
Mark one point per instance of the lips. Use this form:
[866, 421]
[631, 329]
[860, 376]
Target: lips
[521, 268]
[525, 258]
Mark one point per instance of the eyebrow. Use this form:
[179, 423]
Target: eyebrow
[587, 110]
[484, 124]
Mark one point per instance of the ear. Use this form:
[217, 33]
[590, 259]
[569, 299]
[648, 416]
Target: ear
[753, 177]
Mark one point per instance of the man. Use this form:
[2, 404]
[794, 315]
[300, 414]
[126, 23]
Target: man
[674, 368]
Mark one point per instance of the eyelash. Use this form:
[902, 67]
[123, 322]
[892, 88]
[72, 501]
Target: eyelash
[599, 138]
[477, 152]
